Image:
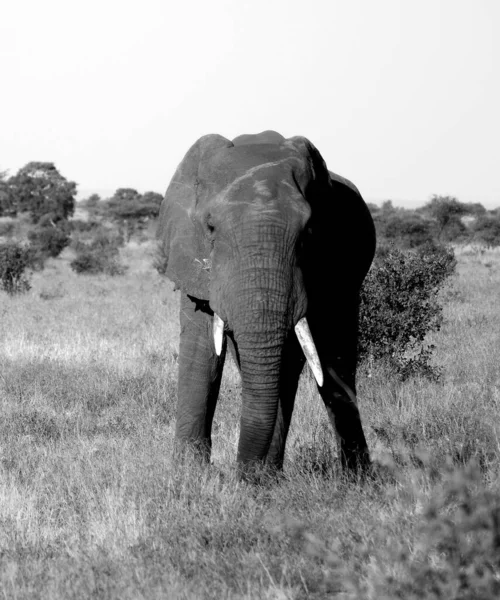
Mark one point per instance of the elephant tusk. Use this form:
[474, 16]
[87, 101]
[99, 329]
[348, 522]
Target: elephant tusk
[305, 339]
[218, 333]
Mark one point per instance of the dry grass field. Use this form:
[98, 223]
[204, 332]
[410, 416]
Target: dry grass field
[92, 505]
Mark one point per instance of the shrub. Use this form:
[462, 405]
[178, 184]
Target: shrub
[41, 190]
[446, 211]
[457, 551]
[87, 262]
[486, 230]
[108, 240]
[50, 241]
[14, 260]
[400, 305]
[97, 235]
[80, 226]
[91, 263]
[407, 229]
[100, 256]
[6, 228]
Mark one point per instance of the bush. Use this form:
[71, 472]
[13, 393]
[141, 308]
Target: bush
[400, 305]
[486, 230]
[41, 190]
[108, 240]
[81, 226]
[6, 228]
[49, 241]
[14, 260]
[457, 550]
[407, 229]
[92, 263]
[100, 256]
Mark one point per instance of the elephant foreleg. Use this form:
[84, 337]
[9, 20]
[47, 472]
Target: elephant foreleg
[342, 408]
[200, 373]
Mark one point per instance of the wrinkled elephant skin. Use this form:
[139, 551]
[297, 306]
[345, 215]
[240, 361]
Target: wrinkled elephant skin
[269, 250]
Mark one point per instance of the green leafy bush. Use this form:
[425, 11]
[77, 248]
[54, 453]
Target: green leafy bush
[7, 228]
[50, 241]
[457, 551]
[447, 211]
[486, 230]
[14, 261]
[400, 305]
[407, 229]
[131, 210]
[100, 256]
[80, 226]
[39, 188]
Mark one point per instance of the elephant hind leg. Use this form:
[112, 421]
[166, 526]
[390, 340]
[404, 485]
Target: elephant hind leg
[342, 408]
[200, 374]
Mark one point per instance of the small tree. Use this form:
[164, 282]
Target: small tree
[100, 256]
[39, 188]
[92, 201]
[131, 209]
[407, 229]
[128, 204]
[475, 209]
[486, 229]
[92, 204]
[446, 211]
[7, 205]
[400, 305]
[387, 207]
[49, 241]
[14, 260]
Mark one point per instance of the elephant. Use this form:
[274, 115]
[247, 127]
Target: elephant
[269, 250]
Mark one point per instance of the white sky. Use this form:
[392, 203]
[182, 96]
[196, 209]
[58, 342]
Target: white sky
[402, 97]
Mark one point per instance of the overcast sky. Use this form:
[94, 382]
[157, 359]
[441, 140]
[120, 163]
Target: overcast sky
[400, 96]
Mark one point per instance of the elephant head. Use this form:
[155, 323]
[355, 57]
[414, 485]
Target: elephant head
[269, 249]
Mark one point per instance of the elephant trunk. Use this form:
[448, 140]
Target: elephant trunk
[260, 327]
[260, 363]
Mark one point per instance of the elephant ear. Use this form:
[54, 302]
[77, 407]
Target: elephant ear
[341, 223]
[181, 236]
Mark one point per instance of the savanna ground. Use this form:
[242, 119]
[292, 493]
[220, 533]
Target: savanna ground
[92, 505]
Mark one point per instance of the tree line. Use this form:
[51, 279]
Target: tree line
[48, 197]
[45, 201]
[444, 219]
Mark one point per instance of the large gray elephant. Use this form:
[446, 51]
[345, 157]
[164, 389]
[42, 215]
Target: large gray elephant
[269, 250]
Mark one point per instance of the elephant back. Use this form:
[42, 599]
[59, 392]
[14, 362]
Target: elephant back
[265, 137]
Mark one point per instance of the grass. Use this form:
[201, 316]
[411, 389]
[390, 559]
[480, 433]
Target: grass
[92, 505]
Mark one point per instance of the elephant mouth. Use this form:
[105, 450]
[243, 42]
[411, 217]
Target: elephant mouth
[304, 337]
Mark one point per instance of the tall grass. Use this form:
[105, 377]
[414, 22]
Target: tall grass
[92, 505]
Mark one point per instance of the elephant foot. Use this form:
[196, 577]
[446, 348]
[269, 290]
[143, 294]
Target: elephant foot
[259, 473]
[356, 462]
